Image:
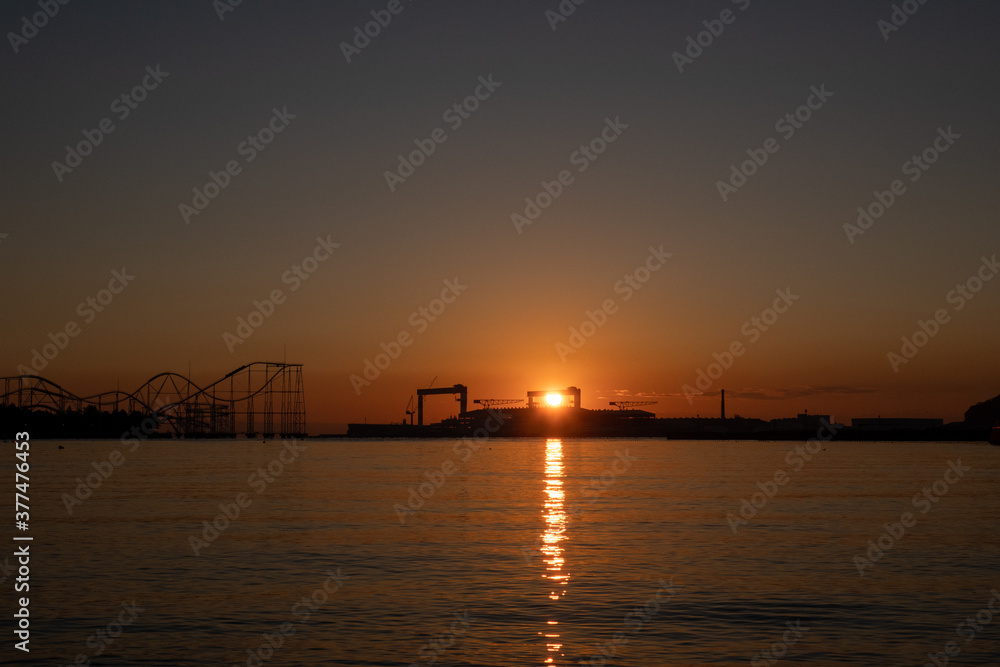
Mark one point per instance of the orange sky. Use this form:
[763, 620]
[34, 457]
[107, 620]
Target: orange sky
[664, 141]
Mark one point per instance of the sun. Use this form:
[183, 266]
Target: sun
[553, 399]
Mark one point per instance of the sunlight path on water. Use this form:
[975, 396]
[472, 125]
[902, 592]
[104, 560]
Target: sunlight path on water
[555, 532]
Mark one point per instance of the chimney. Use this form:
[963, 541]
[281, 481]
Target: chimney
[723, 405]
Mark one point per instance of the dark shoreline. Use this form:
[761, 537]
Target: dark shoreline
[732, 437]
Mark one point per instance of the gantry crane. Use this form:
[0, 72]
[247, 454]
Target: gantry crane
[628, 405]
[460, 389]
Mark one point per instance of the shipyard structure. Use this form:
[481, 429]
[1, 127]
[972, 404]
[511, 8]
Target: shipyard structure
[558, 413]
[550, 412]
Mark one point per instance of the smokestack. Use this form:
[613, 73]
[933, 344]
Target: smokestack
[723, 405]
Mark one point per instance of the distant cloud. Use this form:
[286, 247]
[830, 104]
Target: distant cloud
[799, 391]
[642, 395]
[749, 393]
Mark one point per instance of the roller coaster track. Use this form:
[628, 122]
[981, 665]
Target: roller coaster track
[260, 398]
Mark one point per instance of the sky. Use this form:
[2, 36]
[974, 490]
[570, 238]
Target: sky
[622, 189]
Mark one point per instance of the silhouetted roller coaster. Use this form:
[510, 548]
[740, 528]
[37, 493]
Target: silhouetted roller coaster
[258, 399]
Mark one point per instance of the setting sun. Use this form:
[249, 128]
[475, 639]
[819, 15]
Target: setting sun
[553, 399]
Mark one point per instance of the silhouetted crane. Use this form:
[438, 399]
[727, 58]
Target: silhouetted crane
[487, 403]
[628, 405]
[410, 411]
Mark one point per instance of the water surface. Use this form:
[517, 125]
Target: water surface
[523, 552]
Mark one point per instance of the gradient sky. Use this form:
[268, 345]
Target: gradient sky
[323, 176]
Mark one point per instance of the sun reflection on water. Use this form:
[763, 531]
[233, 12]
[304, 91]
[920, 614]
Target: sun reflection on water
[555, 532]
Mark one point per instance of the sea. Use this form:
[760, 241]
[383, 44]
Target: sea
[502, 552]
